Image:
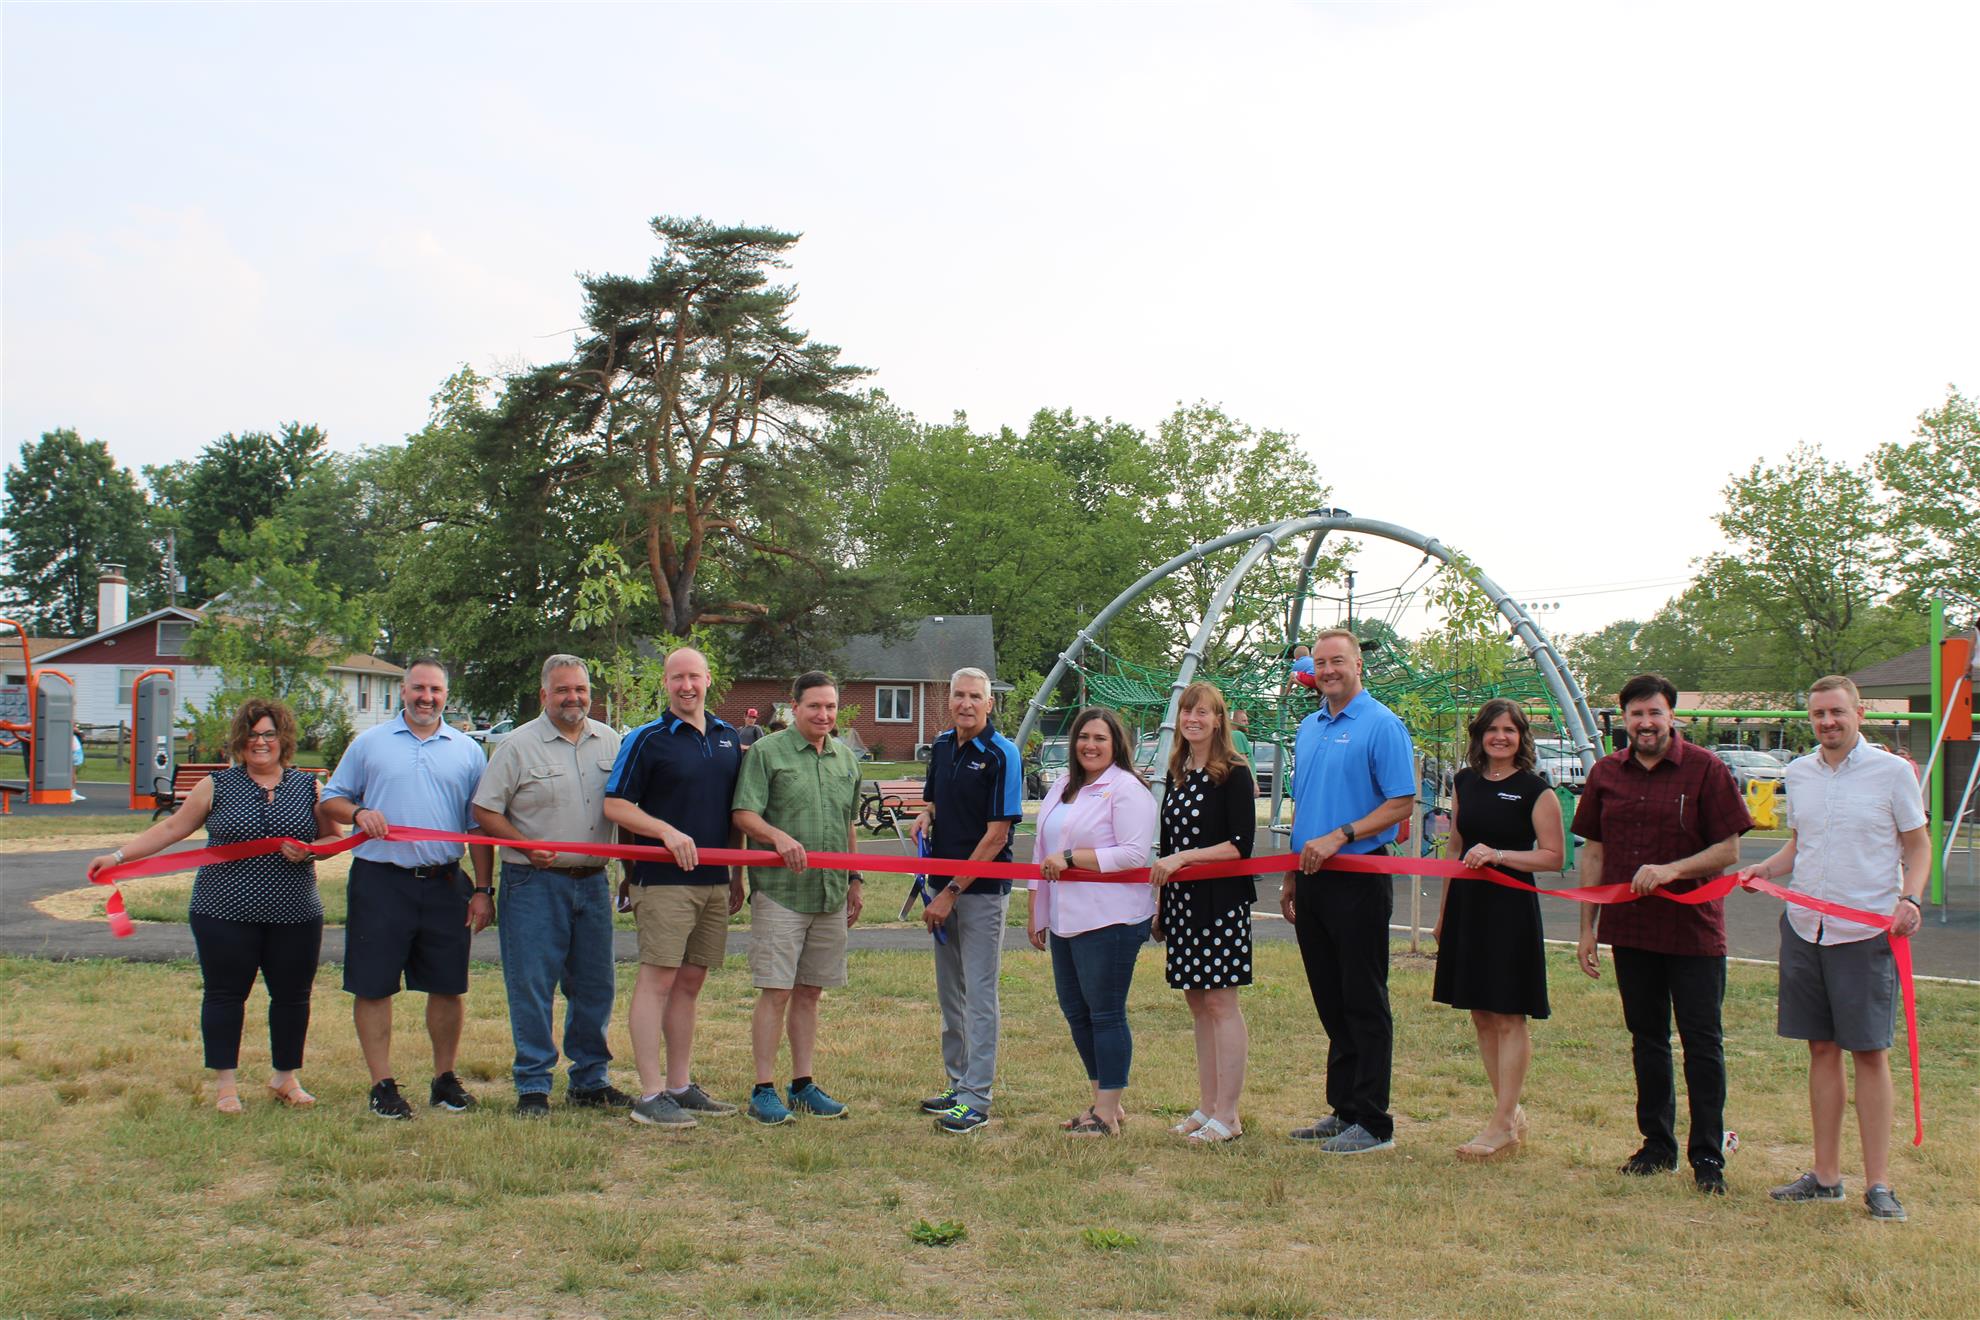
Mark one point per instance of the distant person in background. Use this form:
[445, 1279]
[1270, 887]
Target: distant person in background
[750, 732]
[1491, 957]
[76, 760]
[1240, 726]
[1209, 814]
[1859, 840]
[1098, 816]
[260, 916]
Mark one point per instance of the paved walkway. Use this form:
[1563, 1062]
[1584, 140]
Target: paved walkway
[1949, 944]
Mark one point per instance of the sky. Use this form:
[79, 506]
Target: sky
[1534, 279]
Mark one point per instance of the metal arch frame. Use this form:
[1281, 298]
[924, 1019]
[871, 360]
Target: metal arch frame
[1575, 713]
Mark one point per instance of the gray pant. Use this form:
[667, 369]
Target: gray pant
[966, 983]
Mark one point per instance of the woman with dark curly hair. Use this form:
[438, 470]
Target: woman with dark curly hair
[260, 916]
[1490, 958]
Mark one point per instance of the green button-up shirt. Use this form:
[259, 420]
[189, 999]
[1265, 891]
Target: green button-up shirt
[809, 795]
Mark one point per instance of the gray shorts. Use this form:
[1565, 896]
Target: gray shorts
[1846, 993]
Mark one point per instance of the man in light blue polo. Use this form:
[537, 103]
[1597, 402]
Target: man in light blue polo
[410, 910]
[1354, 781]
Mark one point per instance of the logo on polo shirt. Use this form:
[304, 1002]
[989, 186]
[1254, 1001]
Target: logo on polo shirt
[726, 742]
[974, 765]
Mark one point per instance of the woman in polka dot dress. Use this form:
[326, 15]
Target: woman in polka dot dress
[1209, 813]
[259, 916]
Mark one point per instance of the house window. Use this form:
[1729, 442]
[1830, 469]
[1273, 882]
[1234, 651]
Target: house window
[364, 693]
[172, 635]
[893, 705]
[125, 678]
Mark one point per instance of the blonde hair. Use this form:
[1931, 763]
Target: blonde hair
[1836, 683]
[1222, 754]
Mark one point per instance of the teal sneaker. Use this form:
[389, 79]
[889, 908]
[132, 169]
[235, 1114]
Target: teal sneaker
[812, 1100]
[767, 1109]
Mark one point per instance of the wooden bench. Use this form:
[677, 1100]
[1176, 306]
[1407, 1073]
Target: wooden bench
[186, 777]
[885, 804]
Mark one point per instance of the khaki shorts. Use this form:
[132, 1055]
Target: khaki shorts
[682, 923]
[789, 948]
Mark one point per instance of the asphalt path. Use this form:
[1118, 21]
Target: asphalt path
[1947, 946]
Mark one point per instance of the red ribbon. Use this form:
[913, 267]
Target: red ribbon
[1705, 892]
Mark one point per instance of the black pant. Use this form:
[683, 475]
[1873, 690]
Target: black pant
[1342, 922]
[231, 954]
[1652, 985]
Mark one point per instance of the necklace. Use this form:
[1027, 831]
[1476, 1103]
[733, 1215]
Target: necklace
[1496, 775]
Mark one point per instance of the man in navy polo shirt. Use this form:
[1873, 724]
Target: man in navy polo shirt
[1354, 781]
[975, 798]
[671, 787]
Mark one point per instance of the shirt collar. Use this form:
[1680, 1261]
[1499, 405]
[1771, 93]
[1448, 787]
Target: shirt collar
[549, 731]
[445, 730]
[673, 723]
[1356, 706]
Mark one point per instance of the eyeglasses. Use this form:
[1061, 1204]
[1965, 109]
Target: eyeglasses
[258, 736]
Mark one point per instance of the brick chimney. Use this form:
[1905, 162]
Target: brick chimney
[113, 597]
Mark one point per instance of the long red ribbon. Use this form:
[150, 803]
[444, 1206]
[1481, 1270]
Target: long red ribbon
[1715, 888]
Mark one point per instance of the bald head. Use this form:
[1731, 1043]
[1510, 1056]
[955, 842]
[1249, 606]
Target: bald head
[687, 684]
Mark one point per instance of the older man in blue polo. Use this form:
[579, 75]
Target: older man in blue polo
[1354, 781]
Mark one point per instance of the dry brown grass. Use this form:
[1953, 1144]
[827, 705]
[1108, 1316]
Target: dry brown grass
[127, 1195]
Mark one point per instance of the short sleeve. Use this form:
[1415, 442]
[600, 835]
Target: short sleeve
[1907, 802]
[1395, 768]
[1724, 811]
[752, 785]
[347, 781]
[1009, 804]
[629, 770]
[498, 781]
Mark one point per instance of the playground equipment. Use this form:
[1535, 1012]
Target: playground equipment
[152, 758]
[1261, 684]
[39, 717]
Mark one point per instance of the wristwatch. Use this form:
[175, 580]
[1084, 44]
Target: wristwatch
[1907, 898]
[1069, 860]
[1347, 832]
[485, 889]
[855, 878]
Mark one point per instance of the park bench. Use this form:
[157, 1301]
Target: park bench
[186, 778]
[887, 803]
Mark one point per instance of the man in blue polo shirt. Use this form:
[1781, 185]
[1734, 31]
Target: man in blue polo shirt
[975, 799]
[671, 788]
[1354, 781]
[410, 911]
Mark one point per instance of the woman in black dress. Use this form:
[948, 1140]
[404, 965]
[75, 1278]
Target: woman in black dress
[259, 916]
[1490, 958]
[1209, 813]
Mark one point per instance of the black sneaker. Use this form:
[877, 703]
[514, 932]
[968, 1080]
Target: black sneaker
[1709, 1181]
[1883, 1203]
[607, 1096]
[940, 1104]
[386, 1102]
[1808, 1188]
[533, 1104]
[1643, 1164]
[449, 1094]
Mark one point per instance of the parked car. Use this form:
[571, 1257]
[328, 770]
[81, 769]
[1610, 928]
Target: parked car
[1264, 766]
[1750, 767]
[1559, 764]
[1053, 757]
[494, 733]
[1782, 754]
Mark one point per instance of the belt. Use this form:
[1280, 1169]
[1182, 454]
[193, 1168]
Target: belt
[574, 872]
[425, 872]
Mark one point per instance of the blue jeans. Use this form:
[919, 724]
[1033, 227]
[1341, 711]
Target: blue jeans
[1092, 972]
[557, 929]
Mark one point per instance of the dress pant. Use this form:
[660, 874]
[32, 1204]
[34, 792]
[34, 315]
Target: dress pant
[1653, 986]
[1342, 922]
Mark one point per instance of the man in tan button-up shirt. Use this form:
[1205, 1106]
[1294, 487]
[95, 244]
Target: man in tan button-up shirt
[546, 781]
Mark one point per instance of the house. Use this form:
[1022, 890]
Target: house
[901, 688]
[106, 663]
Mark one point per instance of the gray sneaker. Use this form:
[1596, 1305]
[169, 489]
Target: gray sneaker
[1321, 1130]
[1883, 1203]
[697, 1101]
[1808, 1188]
[1355, 1140]
[661, 1111]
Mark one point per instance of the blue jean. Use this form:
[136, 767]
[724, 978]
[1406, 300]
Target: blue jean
[556, 930]
[1092, 972]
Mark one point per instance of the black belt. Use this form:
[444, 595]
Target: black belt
[426, 872]
[574, 872]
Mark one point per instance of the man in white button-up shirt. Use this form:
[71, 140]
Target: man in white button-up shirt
[1859, 840]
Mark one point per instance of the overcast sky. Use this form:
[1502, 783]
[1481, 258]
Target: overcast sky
[1531, 278]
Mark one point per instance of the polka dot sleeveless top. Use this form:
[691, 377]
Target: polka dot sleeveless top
[269, 888]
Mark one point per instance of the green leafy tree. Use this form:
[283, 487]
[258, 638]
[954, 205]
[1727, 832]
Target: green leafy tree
[1933, 523]
[236, 481]
[69, 510]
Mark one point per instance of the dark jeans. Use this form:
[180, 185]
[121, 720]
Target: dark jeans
[1652, 986]
[1092, 972]
[556, 930]
[1342, 922]
[231, 955]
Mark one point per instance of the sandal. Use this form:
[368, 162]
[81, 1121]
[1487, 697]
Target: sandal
[1213, 1133]
[1478, 1152]
[1087, 1117]
[1190, 1126]
[1093, 1126]
[292, 1095]
[227, 1100]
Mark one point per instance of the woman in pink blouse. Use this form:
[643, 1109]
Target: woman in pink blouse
[1099, 817]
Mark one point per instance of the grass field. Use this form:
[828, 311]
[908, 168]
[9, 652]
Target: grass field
[127, 1195]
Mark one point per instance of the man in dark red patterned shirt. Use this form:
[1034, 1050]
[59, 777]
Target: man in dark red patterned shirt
[1664, 812]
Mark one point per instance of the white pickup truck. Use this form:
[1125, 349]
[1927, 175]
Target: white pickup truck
[1559, 764]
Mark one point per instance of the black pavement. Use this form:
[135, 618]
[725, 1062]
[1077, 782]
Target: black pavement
[1948, 945]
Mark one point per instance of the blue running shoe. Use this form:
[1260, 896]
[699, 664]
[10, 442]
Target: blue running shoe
[962, 1118]
[812, 1100]
[767, 1109]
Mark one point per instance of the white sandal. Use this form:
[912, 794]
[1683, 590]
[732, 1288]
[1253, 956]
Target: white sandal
[1213, 1132]
[1190, 1126]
